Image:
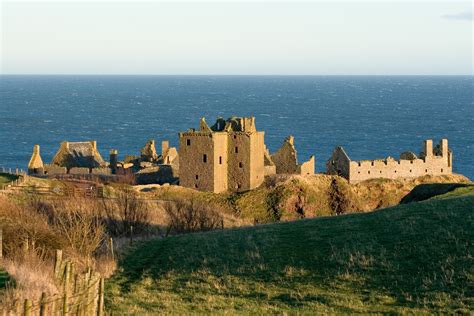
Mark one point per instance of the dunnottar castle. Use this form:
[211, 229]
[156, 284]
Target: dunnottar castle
[230, 155]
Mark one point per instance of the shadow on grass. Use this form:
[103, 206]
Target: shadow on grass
[4, 279]
[426, 191]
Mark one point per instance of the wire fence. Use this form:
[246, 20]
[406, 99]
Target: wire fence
[82, 294]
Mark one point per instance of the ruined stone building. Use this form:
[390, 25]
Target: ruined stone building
[229, 155]
[158, 168]
[286, 160]
[71, 157]
[431, 161]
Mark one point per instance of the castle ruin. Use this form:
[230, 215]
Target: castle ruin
[227, 156]
[432, 161]
[230, 156]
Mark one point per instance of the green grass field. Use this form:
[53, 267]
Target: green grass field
[413, 258]
[5, 178]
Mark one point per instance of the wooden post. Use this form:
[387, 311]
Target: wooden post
[1, 243]
[111, 246]
[25, 245]
[27, 308]
[100, 307]
[53, 307]
[42, 310]
[57, 263]
[131, 234]
[67, 274]
[18, 307]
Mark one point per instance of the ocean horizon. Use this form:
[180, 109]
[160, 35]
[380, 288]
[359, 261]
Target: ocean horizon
[372, 117]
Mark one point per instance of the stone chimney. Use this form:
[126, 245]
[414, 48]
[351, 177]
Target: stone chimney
[113, 160]
[428, 148]
[443, 144]
[165, 145]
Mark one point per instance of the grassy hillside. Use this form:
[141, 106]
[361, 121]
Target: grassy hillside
[6, 178]
[411, 258]
[290, 197]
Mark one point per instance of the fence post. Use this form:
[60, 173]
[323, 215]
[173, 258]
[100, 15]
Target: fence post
[27, 308]
[25, 245]
[1, 243]
[100, 309]
[131, 234]
[42, 310]
[67, 274]
[111, 245]
[57, 262]
[18, 307]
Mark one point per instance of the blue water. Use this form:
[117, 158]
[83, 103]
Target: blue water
[372, 117]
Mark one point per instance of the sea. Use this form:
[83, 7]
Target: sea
[370, 116]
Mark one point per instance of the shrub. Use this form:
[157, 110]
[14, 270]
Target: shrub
[124, 212]
[186, 216]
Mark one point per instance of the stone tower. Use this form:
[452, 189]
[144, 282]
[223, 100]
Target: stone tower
[227, 156]
[36, 166]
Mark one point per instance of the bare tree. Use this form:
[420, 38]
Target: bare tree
[126, 211]
[191, 215]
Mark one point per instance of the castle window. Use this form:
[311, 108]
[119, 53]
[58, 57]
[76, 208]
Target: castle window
[204, 158]
[235, 136]
[220, 160]
[236, 150]
[238, 186]
[188, 142]
[410, 170]
[368, 172]
[395, 171]
[240, 165]
[358, 172]
[372, 163]
[380, 171]
[426, 170]
[197, 177]
[411, 161]
[196, 186]
[441, 170]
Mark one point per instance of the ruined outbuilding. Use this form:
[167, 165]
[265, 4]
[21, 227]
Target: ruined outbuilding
[286, 160]
[78, 155]
[72, 158]
[227, 156]
[437, 161]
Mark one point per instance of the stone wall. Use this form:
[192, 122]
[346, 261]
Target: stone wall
[286, 160]
[198, 155]
[103, 171]
[307, 167]
[54, 170]
[79, 170]
[429, 164]
[160, 174]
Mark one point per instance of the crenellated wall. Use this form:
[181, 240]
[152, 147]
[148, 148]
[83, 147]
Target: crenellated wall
[436, 161]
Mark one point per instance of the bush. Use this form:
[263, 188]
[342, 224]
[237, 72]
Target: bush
[186, 216]
[124, 212]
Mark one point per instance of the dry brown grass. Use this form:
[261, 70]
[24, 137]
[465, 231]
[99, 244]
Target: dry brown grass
[186, 216]
[33, 275]
[34, 228]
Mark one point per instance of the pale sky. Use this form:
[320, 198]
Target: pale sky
[287, 38]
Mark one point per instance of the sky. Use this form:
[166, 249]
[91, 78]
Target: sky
[237, 38]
